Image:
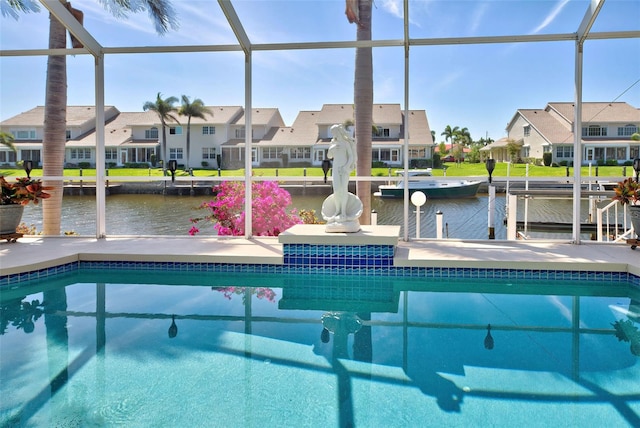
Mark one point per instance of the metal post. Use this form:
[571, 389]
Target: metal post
[438, 224]
[374, 218]
[492, 211]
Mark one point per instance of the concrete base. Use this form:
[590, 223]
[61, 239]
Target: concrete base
[316, 234]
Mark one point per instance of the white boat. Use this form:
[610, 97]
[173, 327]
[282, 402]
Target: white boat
[446, 188]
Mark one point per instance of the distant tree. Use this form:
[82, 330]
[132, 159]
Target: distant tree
[192, 109]
[449, 133]
[165, 110]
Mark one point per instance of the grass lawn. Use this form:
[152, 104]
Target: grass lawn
[452, 170]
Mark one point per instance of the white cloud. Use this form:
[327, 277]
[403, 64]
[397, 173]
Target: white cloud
[394, 7]
[552, 16]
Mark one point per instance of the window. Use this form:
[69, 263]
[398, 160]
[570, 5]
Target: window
[7, 156]
[208, 130]
[175, 154]
[175, 130]
[271, 153]
[634, 152]
[527, 130]
[79, 154]
[301, 153]
[564, 152]
[208, 153]
[320, 155]
[240, 133]
[151, 134]
[594, 131]
[68, 134]
[627, 130]
[111, 154]
[381, 132]
[25, 134]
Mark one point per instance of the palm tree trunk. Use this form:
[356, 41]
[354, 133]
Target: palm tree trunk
[53, 144]
[363, 100]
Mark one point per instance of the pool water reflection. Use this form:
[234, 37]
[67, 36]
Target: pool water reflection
[98, 348]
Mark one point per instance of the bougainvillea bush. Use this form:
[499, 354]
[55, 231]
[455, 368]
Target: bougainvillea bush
[270, 215]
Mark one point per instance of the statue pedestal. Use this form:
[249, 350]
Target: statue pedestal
[311, 246]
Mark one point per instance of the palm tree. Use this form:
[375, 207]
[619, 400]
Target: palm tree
[463, 139]
[192, 109]
[363, 102]
[165, 110]
[55, 110]
[450, 134]
[6, 140]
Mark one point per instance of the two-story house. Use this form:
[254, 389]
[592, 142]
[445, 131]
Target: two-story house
[218, 140]
[605, 135]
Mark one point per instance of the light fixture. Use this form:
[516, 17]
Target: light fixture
[173, 328]
[636, 167]
[173, 166]
[326, 165]
[418, 199]
[491, 165]
[488, 340]
[28, 166]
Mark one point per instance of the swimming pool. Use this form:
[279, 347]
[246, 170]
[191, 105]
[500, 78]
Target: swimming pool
[136, 347]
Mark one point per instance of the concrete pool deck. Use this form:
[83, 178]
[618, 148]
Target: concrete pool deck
[33, 253]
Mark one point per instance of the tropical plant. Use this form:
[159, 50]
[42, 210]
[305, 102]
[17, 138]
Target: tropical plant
[55, 107]
[363, 99]
[6, 140]
[165, 110]
[192, 109]
[513, 150]
[269, 204]
[627, 192]
[23, 191]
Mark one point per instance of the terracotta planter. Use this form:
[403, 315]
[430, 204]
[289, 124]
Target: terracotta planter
[634, 214]
[10, 216]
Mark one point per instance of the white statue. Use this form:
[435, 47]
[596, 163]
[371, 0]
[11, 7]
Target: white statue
[342, 209]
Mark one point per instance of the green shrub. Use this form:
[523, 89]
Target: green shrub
[547, 158]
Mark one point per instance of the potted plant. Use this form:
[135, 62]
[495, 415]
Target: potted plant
[14, 197]
[627, 192]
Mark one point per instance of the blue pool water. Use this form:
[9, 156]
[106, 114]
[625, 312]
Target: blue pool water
[132, 348]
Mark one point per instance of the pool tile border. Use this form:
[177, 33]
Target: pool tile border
[328, 269]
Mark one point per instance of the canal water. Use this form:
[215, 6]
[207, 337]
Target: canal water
[170, 215]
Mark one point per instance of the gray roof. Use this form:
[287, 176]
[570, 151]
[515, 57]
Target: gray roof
[76, 116]
[338, 113]
[596, 112]
[548, 126]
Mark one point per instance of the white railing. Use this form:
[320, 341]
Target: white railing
[609, 227]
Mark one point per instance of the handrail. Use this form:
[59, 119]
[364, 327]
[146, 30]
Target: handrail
[604, 223]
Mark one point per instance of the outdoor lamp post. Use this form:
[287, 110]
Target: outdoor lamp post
[418, 199]
[173, 166]
[28, 166]
[491, 165]
[326, 165]
[636, 167]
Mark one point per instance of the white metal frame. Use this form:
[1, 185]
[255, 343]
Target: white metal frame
[92, 47]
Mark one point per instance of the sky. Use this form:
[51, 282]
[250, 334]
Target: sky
[477, 86]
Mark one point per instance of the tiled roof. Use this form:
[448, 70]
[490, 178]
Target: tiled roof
[338, 113]
[116, 132]
[596, 112]
[260, 116]
[76, 116]
[304, 131]
[548, 126]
